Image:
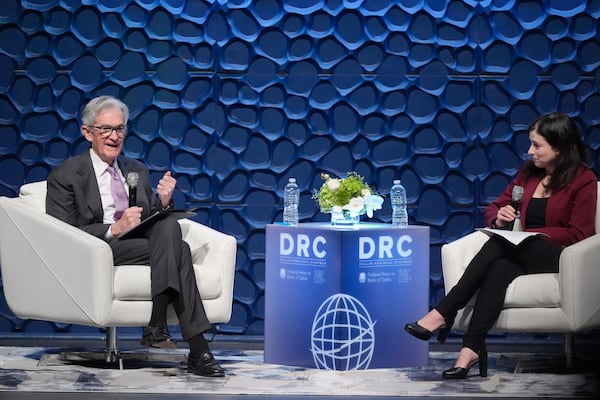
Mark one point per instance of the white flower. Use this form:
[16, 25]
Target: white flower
[333, 184]
[373, 203]
[355, 205]
[334, 193]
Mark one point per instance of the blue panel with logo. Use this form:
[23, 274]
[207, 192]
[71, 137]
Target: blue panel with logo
[303, 268]
[387, 269]
[339, 299]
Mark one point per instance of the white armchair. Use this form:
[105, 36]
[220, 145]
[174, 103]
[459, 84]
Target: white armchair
[564, 302]
[53, 271]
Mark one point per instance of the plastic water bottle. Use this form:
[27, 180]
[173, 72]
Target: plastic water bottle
[399, 213]
[291, 198]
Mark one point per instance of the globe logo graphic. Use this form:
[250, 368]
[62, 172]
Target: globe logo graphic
[342, 335]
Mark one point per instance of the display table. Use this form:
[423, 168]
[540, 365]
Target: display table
[339, 299]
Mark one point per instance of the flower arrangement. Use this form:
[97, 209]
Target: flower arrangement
[350, 195]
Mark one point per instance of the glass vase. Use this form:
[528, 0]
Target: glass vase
[345, 221]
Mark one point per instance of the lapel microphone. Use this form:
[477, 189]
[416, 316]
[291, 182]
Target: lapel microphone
[132, 182]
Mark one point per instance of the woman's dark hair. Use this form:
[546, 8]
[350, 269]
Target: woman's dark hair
[563, 135]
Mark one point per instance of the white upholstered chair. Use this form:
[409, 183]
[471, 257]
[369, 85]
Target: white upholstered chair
[53, 271]
[564, 302]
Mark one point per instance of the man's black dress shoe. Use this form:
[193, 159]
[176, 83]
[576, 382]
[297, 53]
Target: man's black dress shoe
[157, 336]
[205, 365]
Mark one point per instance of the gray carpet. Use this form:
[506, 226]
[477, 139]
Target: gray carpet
[45, 370]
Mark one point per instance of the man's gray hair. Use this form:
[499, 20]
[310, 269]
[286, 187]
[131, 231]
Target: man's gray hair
[99, 104]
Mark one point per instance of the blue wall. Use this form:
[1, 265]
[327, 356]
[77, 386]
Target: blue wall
[236, 96]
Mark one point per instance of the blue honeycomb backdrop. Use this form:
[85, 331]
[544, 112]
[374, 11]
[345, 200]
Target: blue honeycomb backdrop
[236, 96]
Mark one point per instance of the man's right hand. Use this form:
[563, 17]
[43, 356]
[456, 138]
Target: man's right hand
[131, 218]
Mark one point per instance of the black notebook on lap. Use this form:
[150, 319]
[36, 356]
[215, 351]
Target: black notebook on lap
[140, 230]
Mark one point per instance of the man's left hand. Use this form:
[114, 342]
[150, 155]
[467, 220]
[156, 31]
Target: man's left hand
[165, 188]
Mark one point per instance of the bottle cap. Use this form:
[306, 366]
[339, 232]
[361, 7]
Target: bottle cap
[292, 180]
[396, 181]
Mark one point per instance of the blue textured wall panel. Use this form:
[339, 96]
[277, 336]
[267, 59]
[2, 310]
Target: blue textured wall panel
[236, 96]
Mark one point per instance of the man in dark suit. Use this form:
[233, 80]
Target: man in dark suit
[88, 191]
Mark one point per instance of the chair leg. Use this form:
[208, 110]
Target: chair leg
[111, 353]
[569, 343]
[543, 364]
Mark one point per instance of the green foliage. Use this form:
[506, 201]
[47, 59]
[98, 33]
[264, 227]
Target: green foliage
[339, 192]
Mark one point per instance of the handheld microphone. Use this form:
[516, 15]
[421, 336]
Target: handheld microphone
[132, 181]
[517, 195]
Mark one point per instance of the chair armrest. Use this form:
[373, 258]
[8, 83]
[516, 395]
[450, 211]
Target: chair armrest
[457, 255]
[214, 253]
[51, 270]
[579, 274]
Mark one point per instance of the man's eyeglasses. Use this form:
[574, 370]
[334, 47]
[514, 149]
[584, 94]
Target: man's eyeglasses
[106, 131]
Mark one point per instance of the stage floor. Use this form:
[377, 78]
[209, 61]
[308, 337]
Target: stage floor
[39, 372]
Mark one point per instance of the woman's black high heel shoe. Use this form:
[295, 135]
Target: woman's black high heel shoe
[444, 331]
[463, 373]
[425, 334]
[419, 332]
